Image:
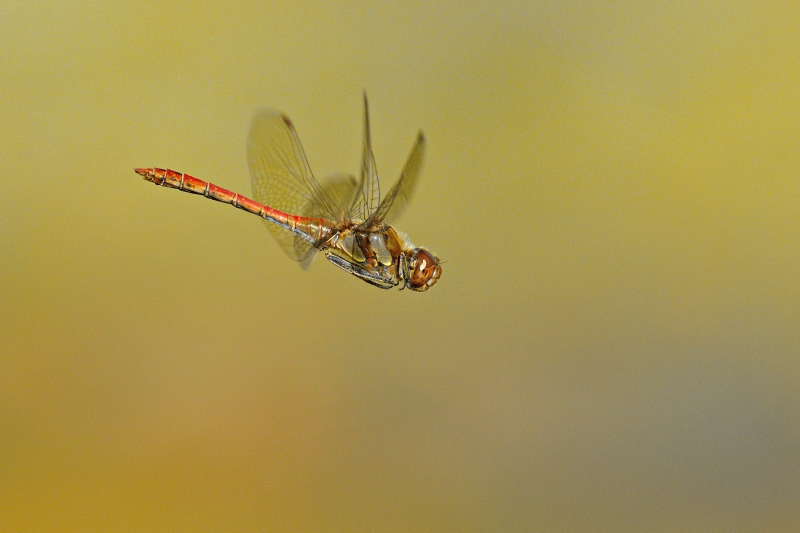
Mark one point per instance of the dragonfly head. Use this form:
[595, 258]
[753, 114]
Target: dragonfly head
[423, 270]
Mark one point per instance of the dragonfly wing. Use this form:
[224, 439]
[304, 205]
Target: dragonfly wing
[395, 202]
[339, 189]
[281, 177]
[305, 252]
[369, 195]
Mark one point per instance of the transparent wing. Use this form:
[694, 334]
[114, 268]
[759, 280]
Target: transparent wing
[395, 202]
[339, 189]
[369, 195]
[281, 178]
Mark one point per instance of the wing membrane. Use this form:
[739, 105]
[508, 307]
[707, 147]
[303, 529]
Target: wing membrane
[396, 201]
[339, 190]
[369, 195]
[282, 179]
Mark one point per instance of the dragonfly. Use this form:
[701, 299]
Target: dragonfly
[342, 216]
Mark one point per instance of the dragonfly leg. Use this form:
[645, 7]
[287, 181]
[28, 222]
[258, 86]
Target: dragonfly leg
[370, 277]
[402, 270]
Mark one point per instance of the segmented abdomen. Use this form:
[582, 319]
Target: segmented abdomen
[314, 230]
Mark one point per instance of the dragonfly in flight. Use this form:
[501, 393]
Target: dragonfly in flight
[343, 217]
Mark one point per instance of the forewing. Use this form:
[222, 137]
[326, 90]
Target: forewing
[395, 202]
[281, 177]
[369, 195]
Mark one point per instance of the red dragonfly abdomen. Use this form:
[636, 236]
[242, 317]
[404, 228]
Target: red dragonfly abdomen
[314, 230]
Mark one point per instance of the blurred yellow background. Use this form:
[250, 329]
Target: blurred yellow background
[614, 344]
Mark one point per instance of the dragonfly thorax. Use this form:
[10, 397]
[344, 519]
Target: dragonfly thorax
[381, 257]
[376, 249]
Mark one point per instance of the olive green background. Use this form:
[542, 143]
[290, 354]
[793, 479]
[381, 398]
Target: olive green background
[614, 343]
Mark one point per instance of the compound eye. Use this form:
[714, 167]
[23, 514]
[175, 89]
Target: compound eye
[426, 270]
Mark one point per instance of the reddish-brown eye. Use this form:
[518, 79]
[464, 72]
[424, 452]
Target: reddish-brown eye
[426, 270]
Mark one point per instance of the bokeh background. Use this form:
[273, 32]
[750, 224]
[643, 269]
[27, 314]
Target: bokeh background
[614, 344]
